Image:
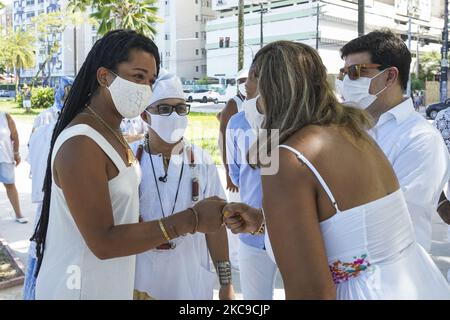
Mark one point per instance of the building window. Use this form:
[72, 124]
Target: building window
[204, 69]
[196, 52]
[196, 17]
[196, 35]
[196, 69]
[30, 2]
[40, 1]
[29, 16]
[167, 36]
[196, 1]
[167, 53]
[227, 42]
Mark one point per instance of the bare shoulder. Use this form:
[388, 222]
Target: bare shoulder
[311, 141]
[78, 155]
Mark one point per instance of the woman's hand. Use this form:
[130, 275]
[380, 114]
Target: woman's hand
[241, 218]
[231, 186]
[17, 159]
[226, 292]
[210, 214]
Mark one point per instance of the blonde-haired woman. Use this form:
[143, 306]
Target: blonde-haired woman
[337, 220]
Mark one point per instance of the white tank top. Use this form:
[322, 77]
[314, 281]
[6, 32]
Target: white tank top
[69, 268]
[6, 146]
[238, 103]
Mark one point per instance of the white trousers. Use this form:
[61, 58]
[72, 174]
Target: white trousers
[257, 273]
[233, 239]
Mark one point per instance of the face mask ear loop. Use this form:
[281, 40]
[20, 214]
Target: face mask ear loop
[385, 87]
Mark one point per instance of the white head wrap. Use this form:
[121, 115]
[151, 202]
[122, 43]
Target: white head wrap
[167, 86]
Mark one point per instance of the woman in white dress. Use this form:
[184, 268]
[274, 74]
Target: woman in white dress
[88, 233]
[337, 219]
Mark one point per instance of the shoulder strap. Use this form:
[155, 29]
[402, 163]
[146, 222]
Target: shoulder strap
[85, 130]
[302, 158]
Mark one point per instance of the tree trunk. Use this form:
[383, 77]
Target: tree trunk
[241, 35]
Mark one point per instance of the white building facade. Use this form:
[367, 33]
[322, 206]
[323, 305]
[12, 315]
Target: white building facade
[181, 37]
[75, 42]
[325, 25]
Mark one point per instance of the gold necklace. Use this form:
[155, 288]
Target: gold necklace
[130, 156]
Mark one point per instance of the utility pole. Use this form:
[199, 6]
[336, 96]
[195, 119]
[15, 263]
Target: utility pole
[417, 52]
[408, 88]
[361, 21]
[317, 25]
[261, 42]
[444, 54]
[241, 35]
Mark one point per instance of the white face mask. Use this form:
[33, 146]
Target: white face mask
[254, 118]
[129, 98]
[339, 84]
[242, 89]
[356, 92]
[169, 128]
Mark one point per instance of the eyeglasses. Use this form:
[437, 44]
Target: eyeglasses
[181, 109]
[354, 71]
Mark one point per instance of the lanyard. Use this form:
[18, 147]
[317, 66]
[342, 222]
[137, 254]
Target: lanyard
[156, 182]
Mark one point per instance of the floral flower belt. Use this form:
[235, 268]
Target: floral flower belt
[343, 271]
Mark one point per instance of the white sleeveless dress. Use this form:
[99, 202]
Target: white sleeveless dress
[372, 252]
[69, 268]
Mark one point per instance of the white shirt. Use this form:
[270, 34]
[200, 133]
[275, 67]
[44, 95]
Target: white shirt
[38, 150]
[133, 126]
[46, 117]
[6, 144]
[184, 272]
[420, 160]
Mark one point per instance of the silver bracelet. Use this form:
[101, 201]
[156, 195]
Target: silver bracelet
[441, 203]
[224, 272]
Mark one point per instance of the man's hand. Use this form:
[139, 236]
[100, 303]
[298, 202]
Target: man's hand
[241, 218]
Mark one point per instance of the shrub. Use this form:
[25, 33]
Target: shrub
[42, 97]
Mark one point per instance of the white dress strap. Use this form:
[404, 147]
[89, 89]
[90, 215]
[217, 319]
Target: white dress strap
[86, 130]
[302, 158]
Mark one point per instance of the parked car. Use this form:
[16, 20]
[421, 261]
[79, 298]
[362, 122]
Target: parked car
[203, 95]
[7, 93]
[187, 93]
[433, 109]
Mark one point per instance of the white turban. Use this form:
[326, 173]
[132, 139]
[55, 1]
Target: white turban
[167, 86]
[242, 74]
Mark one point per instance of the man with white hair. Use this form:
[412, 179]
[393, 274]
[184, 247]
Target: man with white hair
[175, 175]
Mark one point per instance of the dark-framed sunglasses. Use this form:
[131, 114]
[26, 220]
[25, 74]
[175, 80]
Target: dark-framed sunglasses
[181, 109]
[354, 71]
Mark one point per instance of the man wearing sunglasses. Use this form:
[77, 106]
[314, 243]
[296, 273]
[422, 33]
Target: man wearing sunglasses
[175, 176]
[374, 78]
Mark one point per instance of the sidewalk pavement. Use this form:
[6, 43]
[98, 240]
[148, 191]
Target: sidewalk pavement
[17, 235]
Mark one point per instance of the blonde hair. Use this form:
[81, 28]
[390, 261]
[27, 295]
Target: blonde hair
[295, 93]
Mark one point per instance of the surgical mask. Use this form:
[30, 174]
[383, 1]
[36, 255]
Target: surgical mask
[242, 89]
[129, 98]
[254, 118]
[356, 92]
[338, 84]
[169, 128]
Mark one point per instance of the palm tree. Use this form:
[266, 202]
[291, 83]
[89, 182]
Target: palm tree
[18, 52]
[2, 5]
[138, 15]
